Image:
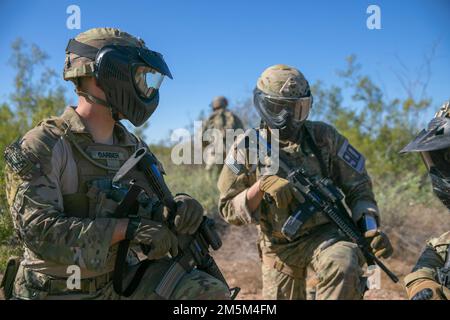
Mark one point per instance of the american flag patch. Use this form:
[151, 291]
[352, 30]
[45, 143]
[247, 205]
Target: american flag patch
[231, 163]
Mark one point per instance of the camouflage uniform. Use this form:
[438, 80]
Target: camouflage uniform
[430, 277]
[221, 119]
[63, 215]
[431, 259]
[320, 245]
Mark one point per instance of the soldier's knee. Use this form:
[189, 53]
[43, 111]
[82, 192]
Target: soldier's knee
[344, 263]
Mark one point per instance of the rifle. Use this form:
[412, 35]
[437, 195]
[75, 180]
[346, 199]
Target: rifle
[193, 249]
[321, 195]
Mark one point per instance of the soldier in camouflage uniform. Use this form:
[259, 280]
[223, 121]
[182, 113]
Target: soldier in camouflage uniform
[283, 99]
[59, 182]
[430, 277]
[221, 119]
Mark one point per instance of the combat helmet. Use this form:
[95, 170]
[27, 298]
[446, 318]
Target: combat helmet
[433, 144]
[219, 102]
[282, 96]
[127, 71]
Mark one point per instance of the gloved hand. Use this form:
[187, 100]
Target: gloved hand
[425, 289]
[153, 234]
[280, 190]
[379, 243]
[189, 214]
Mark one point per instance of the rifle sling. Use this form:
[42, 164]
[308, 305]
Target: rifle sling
[317, 153]
[128, 204]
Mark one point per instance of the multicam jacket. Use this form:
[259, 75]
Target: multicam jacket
[431, 261]
[57, 185]
[344, 165]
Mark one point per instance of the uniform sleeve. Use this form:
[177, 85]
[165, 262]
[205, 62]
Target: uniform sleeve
[233, 183]
[38, 214]
[350, 175]
[432, 258]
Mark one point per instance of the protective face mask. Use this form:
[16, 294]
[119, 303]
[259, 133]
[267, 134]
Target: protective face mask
[441, 187]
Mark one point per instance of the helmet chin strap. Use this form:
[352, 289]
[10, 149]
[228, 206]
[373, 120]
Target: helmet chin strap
[95, 100]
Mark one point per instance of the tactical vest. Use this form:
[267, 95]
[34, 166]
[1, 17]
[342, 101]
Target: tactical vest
[96, 166]
[301, 154]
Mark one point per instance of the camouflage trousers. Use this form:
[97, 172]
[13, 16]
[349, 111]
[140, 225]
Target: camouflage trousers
[337, 265]
[195, 285]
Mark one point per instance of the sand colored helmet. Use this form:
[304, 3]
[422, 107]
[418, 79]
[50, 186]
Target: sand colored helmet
[282, 95]
[219, 102]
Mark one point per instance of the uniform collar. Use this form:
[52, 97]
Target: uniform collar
[219, 110]
[121, 135]
[74, 121]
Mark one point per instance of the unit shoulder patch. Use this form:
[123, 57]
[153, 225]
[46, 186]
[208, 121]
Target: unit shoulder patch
[352, 157]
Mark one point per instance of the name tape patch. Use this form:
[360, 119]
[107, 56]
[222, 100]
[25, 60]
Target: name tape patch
[352, 157]
[107, 155]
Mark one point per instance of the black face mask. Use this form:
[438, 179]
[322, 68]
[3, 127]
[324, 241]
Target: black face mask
[441, 186]
[290, 131]
[129, 76]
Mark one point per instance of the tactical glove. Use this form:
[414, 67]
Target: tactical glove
[426, 289]
[154, 235]
[280, 190]
[189, 214]
[379, 243]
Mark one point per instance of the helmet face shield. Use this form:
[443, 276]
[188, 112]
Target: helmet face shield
[298, 109]
[130, 76]
[147, 80]
[433, 144]
[278, 111]
[438, 166]
[437, 161]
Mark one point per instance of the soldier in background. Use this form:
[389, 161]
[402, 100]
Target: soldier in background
[430, 277]
[283, 99]
[221, 119]
[60, 192]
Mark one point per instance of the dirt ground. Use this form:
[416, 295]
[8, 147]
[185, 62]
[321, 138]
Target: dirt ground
[239, 261]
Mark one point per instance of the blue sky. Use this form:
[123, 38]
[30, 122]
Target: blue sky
[221, 47]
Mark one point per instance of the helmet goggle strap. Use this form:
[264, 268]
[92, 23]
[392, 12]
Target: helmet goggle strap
[95, 100]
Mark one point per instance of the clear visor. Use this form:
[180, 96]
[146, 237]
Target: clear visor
[439, 160]
[427, 160]
[147, 80]
[298, 109]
